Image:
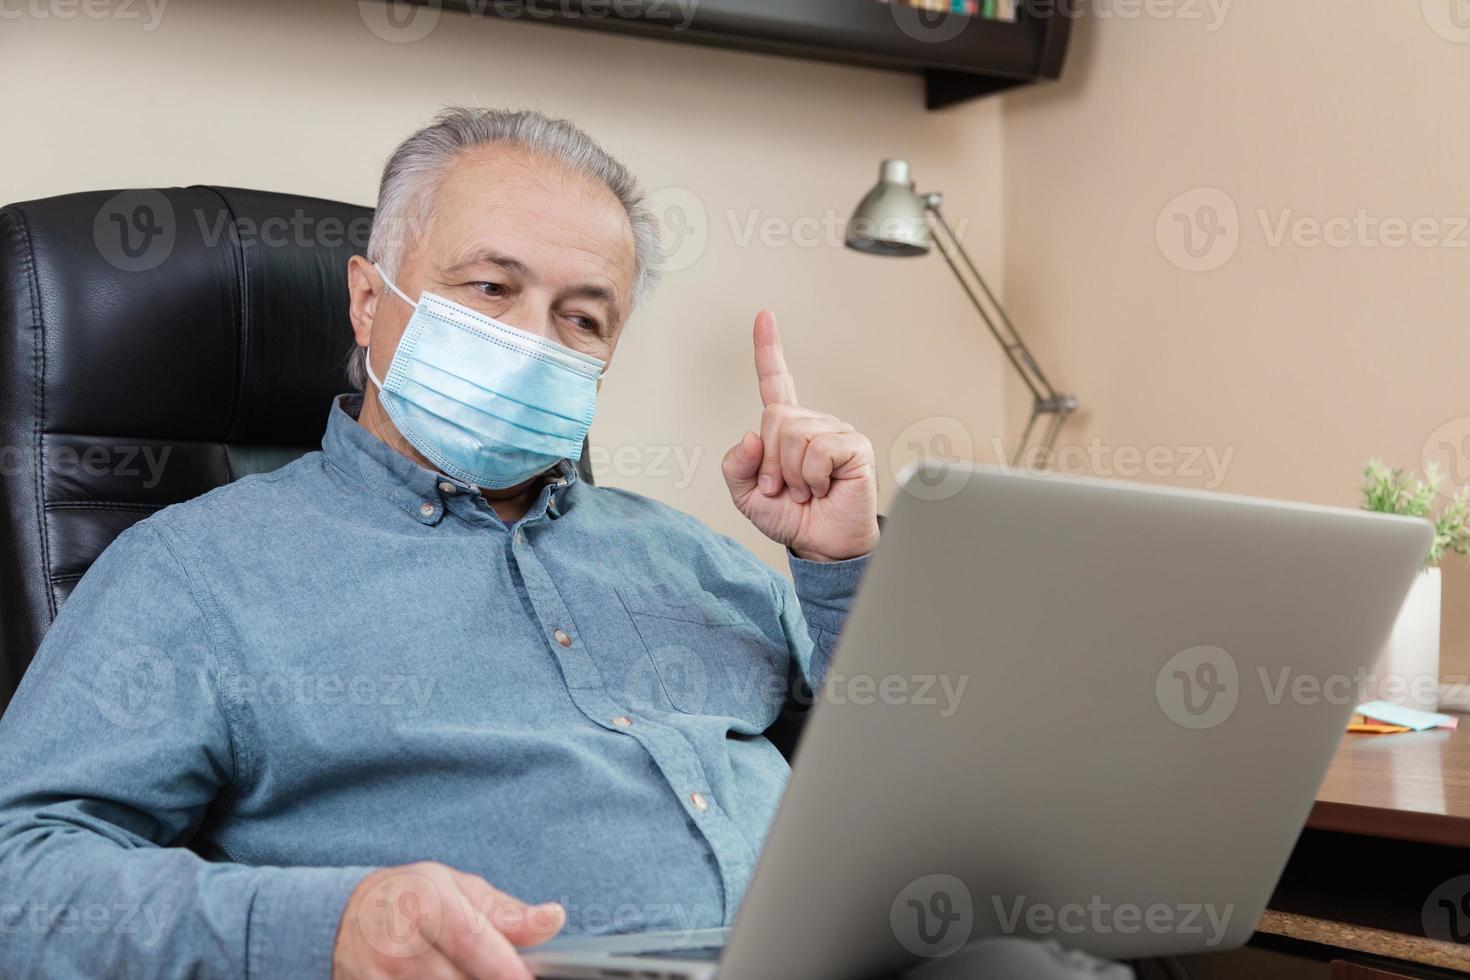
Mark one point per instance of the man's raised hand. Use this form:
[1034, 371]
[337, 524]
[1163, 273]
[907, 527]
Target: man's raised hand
[806, 479]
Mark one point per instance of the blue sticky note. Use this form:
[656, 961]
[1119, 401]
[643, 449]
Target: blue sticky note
[1397, 714]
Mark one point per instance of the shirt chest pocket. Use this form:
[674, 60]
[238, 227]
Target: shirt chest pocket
[708, 659]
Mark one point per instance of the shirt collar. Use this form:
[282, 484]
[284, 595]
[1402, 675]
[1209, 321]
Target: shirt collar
[420, 492]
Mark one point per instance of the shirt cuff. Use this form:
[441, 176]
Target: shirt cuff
[294, 920]
[826, 588]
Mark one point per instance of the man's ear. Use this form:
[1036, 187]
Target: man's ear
[362, 298]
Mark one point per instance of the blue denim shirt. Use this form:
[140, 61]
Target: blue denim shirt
[256, 697]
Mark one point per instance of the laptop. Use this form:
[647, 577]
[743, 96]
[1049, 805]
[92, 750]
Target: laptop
[1145, 687]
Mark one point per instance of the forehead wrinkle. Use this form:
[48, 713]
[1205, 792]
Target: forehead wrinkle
[605, 243]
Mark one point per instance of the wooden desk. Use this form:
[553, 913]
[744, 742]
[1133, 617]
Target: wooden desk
[1390, 827]
[1414, 787]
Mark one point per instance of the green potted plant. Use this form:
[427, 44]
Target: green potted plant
[1408, 672]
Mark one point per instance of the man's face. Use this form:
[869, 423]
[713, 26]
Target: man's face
[518, 238]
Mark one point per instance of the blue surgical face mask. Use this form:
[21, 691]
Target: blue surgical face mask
[490, 405]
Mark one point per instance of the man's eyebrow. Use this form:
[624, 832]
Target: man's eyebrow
[594, 291]
[590, 290]
[494, 258]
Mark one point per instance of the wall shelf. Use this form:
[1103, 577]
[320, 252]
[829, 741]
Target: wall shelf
[961, 57]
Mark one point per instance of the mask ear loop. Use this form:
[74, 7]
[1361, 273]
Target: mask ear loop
[394, 286]
[367, 359]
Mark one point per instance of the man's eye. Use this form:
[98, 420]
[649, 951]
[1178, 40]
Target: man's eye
[584, 323]
[489, 288]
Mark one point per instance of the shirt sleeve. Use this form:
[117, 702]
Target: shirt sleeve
[111, 752]
[823, 592]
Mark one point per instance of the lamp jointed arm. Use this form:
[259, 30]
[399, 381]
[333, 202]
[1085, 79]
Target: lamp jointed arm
[1045, 399]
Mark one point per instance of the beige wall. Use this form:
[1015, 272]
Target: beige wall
[1301, 359]
[1276, 373]
[304, 97]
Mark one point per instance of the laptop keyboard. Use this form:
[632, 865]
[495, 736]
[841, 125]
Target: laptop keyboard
[709, 953]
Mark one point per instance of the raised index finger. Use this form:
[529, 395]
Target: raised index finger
[777, 387]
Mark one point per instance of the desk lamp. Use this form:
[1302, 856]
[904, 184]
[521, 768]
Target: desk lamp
[893, 219]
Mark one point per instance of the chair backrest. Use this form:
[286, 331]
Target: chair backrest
[154, 344]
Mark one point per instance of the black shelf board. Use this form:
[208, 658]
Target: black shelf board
[959, 59]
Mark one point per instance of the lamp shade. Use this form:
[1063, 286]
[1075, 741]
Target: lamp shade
[890, 220]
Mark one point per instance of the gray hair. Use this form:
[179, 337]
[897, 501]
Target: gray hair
[406, 196]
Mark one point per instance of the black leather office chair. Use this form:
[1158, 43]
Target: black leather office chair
[156, 344]
[153, 345]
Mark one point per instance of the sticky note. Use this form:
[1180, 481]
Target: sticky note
[1412, 718]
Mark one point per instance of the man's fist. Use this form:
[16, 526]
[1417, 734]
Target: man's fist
[806, 480]
[429, 920]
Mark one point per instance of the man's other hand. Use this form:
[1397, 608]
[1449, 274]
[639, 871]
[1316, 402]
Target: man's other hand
[806, 480]
[428, 920]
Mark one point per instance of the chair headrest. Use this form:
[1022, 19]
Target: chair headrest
[234, 296]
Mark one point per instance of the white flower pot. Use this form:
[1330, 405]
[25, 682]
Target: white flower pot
[1408, 671]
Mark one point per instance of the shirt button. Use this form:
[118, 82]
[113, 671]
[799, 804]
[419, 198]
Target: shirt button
[701, 803]
[448, 488]
[427, 509]
[623, 721]
[561, 637]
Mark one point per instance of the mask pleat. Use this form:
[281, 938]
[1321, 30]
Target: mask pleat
[548, 416]
[488, 428]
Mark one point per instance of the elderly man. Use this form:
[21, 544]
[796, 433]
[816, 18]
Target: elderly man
[568, 685]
